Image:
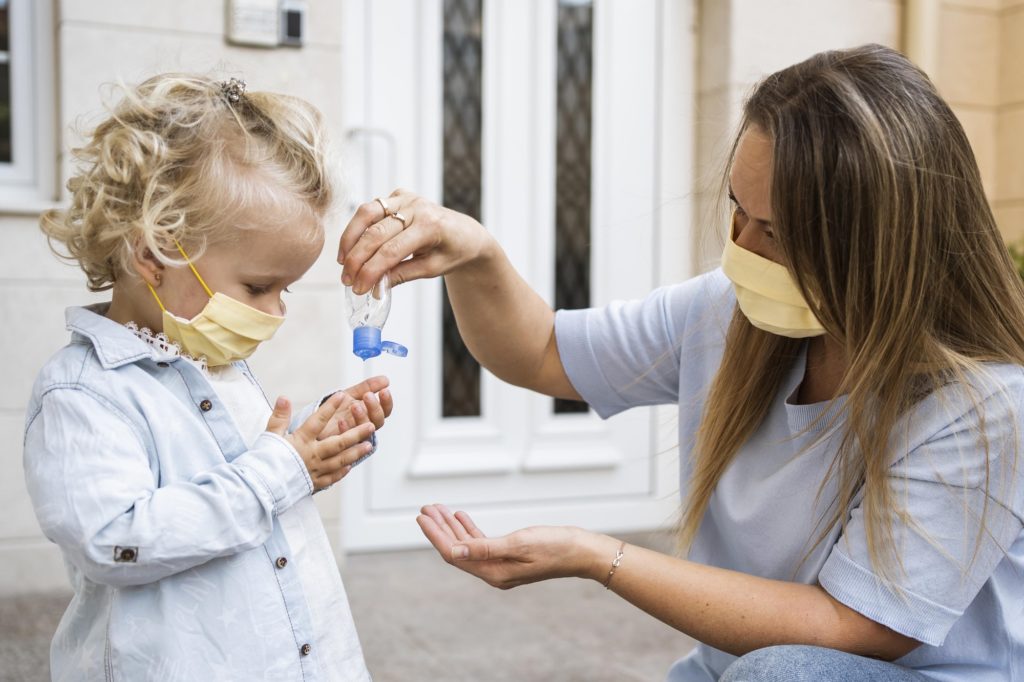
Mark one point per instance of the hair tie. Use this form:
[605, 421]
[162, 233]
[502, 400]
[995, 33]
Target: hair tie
[233, 89]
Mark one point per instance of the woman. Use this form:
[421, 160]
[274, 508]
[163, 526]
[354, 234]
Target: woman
[849, 443]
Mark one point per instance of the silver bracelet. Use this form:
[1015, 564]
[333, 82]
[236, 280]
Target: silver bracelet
[615, 564]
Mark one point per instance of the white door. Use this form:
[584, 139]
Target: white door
[543, 117]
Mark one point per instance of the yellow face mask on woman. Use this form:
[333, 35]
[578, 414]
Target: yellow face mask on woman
[767, 293]
[225, 329]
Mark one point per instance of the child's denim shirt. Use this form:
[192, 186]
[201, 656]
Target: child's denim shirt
[168, 522]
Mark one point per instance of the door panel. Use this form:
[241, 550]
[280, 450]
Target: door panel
[518, 462]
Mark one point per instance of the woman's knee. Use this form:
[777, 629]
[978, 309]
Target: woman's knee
[775, 663]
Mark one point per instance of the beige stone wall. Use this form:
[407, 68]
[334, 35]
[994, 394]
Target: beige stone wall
[978, 68]
[1008, 197]
[980, 72]
[741, 41]
[100, 43]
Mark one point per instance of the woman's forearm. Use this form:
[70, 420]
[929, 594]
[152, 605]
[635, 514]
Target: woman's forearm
[736, 612]
[506, 325]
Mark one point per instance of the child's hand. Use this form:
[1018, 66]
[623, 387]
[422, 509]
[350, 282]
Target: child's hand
[367, 401]
[329, 459]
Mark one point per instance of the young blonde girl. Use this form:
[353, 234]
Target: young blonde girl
[180, 498]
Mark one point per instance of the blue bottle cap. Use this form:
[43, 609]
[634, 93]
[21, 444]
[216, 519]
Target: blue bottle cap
[366, 344]
[393, 348]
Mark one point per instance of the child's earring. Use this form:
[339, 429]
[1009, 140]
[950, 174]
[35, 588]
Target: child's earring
[156, 276]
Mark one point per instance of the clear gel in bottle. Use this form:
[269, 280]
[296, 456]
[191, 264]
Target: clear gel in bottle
[367, 314]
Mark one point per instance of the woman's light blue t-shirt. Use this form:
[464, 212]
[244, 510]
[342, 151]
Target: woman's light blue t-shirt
[961, 596]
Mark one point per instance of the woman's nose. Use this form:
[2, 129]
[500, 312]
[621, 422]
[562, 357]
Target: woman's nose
[748, 235]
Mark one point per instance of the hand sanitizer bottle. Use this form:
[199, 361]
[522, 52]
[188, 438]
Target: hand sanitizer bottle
[367, 314]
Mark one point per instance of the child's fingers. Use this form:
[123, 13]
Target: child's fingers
[371, 385]
[338, 475]
[329, 479]
[312, 427]
[342, 420]
[281, 417]
[335, 445]
[387, 402]
[334, 427]
[358, 414]
[374, 409]
[348, 456]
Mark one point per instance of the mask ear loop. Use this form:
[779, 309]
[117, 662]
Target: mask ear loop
[158, 301]
[194, 271]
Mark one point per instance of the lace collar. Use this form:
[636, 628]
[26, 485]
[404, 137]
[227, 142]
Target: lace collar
[164, 345]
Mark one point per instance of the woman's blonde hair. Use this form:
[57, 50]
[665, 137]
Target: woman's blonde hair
[878, 208]
[176, 160]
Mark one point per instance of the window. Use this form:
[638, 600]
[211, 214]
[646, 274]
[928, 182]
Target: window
[463, 117]
[5, 85]
[575, 66]
[27, 157]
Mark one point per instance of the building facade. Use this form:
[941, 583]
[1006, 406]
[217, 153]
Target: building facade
[588, 136]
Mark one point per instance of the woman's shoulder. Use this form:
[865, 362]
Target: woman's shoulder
[990, 382]
[708, 288]
[988, 397]
[704, 302]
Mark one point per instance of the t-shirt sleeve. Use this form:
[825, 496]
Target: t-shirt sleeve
[627, 353]
[946, 484]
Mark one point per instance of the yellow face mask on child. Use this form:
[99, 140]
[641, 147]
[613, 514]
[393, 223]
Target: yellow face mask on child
[225, 329]
[767, 293]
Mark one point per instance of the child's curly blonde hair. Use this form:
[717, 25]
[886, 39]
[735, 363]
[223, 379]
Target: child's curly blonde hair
[176, 160]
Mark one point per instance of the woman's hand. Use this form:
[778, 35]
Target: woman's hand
[505, 324]
[430, 241]
[525, 556]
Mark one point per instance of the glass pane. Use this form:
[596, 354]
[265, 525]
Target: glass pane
[5, 87]
[572, 162]
[463, 62]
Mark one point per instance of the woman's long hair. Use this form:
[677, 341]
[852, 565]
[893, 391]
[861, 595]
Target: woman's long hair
[878, 209]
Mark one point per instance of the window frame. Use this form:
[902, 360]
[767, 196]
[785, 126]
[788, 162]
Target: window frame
[29, 183]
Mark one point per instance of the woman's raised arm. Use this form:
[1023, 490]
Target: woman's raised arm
[506, 325]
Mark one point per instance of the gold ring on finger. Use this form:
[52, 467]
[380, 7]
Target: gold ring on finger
[383, 205]
[405, 221]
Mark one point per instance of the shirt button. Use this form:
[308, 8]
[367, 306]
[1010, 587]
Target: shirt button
[125, 554]
[306, 649]
[281, 562]
[206, 406]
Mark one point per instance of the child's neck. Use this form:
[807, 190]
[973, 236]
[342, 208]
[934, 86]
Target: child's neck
[127, 304]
